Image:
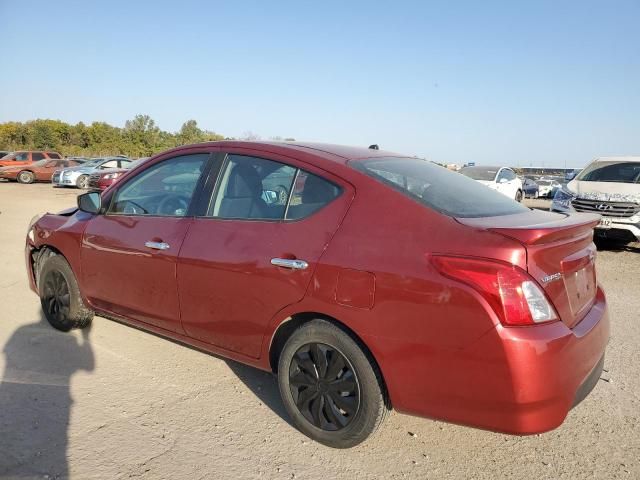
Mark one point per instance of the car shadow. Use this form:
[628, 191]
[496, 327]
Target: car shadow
[36, 401]
[610, 246]
[264, 386]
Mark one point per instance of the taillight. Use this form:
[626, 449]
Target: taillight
[512, 293]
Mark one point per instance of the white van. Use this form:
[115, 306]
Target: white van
[609, 186]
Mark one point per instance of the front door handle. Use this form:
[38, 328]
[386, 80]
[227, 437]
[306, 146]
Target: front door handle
[289, 263]
[157, 245]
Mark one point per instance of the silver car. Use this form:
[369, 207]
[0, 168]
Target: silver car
[79, 176]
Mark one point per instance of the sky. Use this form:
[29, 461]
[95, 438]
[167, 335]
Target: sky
[542, 83]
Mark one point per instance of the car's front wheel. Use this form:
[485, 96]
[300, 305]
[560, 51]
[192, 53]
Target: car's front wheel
[330, 388]
[26, 177]
[60, 296]
[83, 181]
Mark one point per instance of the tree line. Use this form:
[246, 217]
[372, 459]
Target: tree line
[140, 137]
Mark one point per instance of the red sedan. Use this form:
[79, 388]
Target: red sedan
[378, 281]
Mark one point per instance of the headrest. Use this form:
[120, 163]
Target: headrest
[244, 181]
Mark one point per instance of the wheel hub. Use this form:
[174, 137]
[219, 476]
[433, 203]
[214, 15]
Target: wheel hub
[324, 386]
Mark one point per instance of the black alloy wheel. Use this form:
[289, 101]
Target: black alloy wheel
[56, 298]
[59, 293]
[324, 386]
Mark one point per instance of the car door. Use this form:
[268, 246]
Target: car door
[44, 172]
[504, 183]
[129, 253]
[253, 250]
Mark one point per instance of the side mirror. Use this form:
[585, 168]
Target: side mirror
[503, 180]
[90, 202]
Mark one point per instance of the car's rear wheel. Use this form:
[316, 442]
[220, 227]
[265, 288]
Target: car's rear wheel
[519, 196]
[83, 181]
[330, 388]
[26, 176]
[60, 296]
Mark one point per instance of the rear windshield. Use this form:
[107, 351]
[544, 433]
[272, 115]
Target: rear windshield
[480, 173]
[619, 172]
[438, 188]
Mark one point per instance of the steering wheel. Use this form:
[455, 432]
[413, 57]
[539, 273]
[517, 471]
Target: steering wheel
[172, 204]
[132, 208]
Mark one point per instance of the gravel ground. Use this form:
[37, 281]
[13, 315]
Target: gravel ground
[115, 402]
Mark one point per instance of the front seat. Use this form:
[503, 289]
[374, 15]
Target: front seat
[243, 196]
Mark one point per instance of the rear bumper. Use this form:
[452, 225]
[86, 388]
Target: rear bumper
[518, 380]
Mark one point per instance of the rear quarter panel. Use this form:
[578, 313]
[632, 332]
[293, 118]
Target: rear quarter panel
[419, 321]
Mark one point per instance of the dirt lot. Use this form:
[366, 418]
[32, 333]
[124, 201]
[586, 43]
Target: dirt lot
[119, 403]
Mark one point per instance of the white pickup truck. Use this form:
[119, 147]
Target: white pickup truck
[609, 186]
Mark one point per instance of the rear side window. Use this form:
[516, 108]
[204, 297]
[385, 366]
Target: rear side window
[53, 155]
[35, 156]
[438, 188]
[310, 193]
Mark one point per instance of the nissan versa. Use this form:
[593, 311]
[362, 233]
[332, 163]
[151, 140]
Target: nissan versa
[377, 281]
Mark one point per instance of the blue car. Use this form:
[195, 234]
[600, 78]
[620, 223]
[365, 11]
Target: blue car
[530, 188]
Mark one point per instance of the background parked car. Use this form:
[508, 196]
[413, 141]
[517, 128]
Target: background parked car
[546, 187]
[40, 171]
[25, 157]
[501, 179]
[79, 176]
[609, 186]
[102, 180]
[530, 188]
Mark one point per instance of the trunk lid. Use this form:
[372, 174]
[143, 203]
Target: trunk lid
[560, 255]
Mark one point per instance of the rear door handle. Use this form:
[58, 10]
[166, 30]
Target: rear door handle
[289, 263]
[157, 245]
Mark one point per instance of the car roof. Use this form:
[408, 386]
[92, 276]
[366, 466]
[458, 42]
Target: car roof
[337, 153]
[618, 159]
[485, 167]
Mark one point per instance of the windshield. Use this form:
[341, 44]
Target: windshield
[480, 173]
[620, 172]
[93, 162]
[438, 188]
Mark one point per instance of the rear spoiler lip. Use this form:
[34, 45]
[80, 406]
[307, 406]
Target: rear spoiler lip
[537, 228]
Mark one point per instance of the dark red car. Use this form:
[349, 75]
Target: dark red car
[103, 179]
[379, 281]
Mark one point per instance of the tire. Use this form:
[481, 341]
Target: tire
[26, 176]
[83, 181]
[363, 405]
[519, 196]
[60, 296]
